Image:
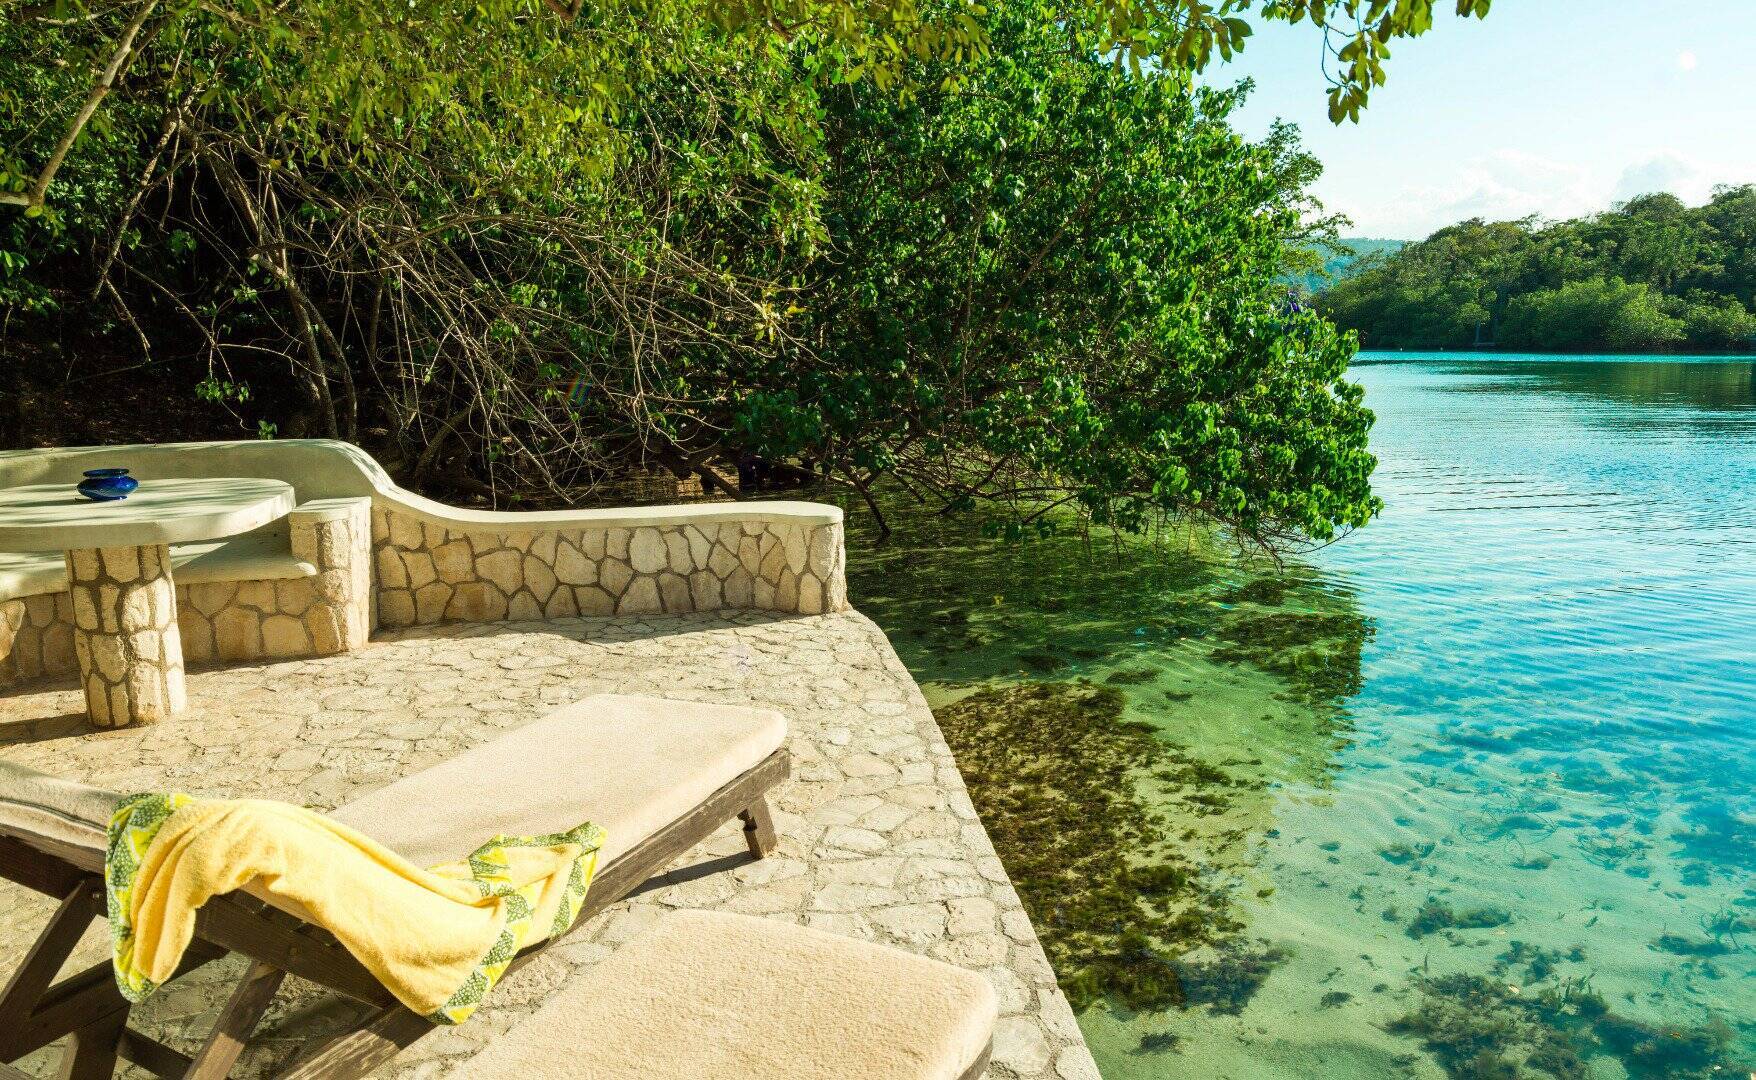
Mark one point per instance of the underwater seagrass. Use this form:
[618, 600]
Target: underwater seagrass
[1481, 1028]
[1079, 801]
[1318, 655]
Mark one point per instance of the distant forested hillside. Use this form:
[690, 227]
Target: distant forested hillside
[1342, 259]
[1650, 275]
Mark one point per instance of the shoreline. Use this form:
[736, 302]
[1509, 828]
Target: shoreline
[1380, 356]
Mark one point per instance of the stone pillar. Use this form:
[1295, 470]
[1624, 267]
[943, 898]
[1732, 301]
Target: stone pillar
[125, 634]
[11, 618]
[336, 536]
[827, 563]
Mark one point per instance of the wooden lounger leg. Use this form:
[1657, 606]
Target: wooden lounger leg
[92, 1051]
[248, 1002]
[363, 1049]
[53, 946]
[758, 827]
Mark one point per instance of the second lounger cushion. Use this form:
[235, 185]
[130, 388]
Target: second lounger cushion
[629, 764]
[712, 996]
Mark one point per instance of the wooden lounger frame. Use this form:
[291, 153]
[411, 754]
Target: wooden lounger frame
[35, 1010]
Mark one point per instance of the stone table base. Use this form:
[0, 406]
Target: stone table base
[125, 634]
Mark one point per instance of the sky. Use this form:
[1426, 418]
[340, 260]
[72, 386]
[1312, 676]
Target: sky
[1551, 107]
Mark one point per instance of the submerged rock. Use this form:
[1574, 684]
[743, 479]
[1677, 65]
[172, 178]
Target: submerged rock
[1678, 945]
[1435, 916]
[1132, 676]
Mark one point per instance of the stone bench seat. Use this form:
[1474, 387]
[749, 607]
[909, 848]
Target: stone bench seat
[297, 586]
[263, 554]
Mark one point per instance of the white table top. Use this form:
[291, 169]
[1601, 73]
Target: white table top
[55, 517]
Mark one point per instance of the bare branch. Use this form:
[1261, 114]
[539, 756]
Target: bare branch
[101, 89]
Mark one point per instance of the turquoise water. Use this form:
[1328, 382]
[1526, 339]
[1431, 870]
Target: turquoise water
[1493, 811]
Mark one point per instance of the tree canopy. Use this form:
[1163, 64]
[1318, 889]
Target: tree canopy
[1057, 282]
[1650, 274]
[517, 80]
[514, 250]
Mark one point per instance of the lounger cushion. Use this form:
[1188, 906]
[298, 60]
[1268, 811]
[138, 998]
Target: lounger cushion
[630, 764]
[64, 810]
[711, 996]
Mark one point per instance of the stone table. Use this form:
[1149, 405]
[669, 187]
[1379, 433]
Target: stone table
[119, 574]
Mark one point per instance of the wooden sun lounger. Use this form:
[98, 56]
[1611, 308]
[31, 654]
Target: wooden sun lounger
[659, 776]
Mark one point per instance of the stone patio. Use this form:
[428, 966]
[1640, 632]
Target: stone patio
[877, 835]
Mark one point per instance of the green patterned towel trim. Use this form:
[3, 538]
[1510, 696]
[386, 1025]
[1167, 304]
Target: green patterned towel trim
[138, 819]
[133, 826]
[488, 867]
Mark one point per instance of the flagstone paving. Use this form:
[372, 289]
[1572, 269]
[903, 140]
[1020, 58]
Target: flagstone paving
[878, 838]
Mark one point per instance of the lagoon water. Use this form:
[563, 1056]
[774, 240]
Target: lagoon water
[1472, 792]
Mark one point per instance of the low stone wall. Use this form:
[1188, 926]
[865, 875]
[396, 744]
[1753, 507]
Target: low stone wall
[425, 562]
[417, 573]
[36, 637]
[429, 573]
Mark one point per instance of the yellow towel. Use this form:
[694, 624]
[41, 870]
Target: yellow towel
[438, 939]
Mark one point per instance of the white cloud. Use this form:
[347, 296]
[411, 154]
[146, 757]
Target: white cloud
[1686, 61]
[1508, 184]
[1668, 171]
[1499, 186]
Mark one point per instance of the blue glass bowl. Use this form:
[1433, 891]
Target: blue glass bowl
[107, 485]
